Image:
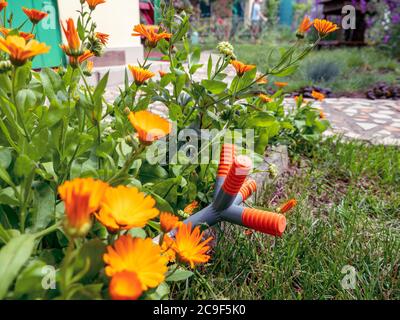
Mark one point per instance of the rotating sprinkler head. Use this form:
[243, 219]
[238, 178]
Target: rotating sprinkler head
[232, 188]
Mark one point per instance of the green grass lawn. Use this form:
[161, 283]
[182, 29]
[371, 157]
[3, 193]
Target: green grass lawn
[354, 69]
[348, 70]
[348, 214]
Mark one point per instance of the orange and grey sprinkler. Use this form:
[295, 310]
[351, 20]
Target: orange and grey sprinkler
[232, 188]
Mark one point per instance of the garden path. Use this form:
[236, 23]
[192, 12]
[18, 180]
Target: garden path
[375, 121]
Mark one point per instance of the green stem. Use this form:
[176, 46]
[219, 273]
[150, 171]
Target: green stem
[128, 163]
[19, 115]
[48, 230]
[65, 278]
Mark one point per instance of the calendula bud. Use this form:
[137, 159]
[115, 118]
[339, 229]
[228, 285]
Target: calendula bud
[273, 170]
[95, 45]
[5, 66]
[183, 214]
[300, 35]
[225, 48]
[127, 111]
[75, 232]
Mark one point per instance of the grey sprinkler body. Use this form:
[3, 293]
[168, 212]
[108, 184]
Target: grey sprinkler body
[232, 188]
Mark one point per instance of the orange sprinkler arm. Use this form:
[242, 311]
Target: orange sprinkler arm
[231, 190]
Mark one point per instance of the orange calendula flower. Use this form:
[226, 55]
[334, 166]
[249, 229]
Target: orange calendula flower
[20, 50]
[167, 248]
[125, 208]
[265, 98]
[287, 206]
[162, 73]
[191, 207]
[141, 256]
[151, 33]
[322, 115]
[189, 246]
[305, 25]
[75, 61]
[317, 95]
[281, 84]
[81, 197]
[35, 16]
[241, 68]
[149, 126]
[168, 221]
[103, 37]
[3, 4]
[94, 3]
[140, 75]
[324, 27]
[125, 285]
[74, 43]
[27, 36]
[89, 66]
[261, 80]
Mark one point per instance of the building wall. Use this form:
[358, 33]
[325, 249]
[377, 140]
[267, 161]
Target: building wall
[116, 18]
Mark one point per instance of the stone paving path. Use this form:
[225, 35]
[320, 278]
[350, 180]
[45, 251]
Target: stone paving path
[375, 121]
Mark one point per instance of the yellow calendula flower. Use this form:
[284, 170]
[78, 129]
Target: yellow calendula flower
[140, 256]
[94, 3]
[20, 50]
[35, 16]
[81, 197]
[191, 207]
[265, 98]
[305, 25]
[167, 248]
[26, 35]
[125, 208]
[289, 205]
[317, 95]
[125, 285]
[168, 221]
[241, 68]
[3, 4]
[74, 43]
[281, 84]
[152, 34]
[324, 27]
[149, 126]
[140, 75]
[189, 245]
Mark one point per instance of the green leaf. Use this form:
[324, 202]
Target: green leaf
[25, 99]
[161, 292]
[7, 234]
[29, 281]
[12, 258]
[261, 119]
[98, 95]
[52, 85]
[137, 233]
[287, 72]
[5, 176]
[44, 206]
[179, 275]
[214, 86]
[22, 76]
[209, 67]
[7, 196]
[23, 166]
[91, 253]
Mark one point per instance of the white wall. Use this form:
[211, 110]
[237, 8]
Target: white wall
[116, 18]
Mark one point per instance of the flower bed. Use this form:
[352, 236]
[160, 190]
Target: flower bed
[82, 197]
